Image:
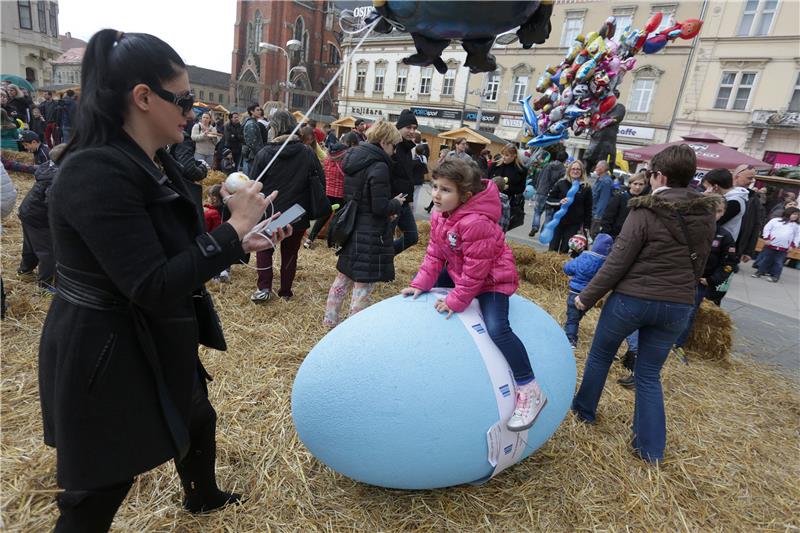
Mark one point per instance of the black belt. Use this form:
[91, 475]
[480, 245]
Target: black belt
[87, 295]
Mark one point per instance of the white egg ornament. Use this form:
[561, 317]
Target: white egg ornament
[397, 396]
[236, 181]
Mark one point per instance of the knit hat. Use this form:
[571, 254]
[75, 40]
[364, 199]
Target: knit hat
[338, 147]
[407, 118]
[602, 244]
[28, 136]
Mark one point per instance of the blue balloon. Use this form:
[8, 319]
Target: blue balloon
[546, 139]
[529, 115]
[412, 411]
[529, 192]
[549, 229]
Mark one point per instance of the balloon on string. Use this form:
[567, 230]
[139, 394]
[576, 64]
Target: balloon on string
[549, 229]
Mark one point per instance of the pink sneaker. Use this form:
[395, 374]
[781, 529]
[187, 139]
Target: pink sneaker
[530, 402]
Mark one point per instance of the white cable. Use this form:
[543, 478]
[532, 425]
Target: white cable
[321, 94]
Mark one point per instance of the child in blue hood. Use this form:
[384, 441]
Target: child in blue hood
[582, 269]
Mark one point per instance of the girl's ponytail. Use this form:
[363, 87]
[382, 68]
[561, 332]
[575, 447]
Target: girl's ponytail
[113, 63]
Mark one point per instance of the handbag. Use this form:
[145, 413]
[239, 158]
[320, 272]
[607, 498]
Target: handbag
[343, 223]
[517, 211]
[319, 206]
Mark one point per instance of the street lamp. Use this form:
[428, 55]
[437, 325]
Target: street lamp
[293, 45]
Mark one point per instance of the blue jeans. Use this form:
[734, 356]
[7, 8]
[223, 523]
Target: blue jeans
[539, 209]
[659, 324]
[698, 299]
[574, 316]
[494, 308]
[405, 221]
[770, 261]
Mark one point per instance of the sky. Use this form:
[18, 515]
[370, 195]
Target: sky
[201, 31]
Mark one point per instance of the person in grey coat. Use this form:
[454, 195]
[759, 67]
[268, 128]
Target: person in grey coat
[549, 175]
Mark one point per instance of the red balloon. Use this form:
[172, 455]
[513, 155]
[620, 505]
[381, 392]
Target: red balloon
[653, 22]
[607, 103]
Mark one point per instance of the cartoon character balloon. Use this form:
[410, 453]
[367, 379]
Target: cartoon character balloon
[433, 25]
[581, 92]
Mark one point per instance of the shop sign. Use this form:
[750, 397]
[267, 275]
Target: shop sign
[431, 112]
[512, 121]
[636, 132]
[487, 117]
[366, 111]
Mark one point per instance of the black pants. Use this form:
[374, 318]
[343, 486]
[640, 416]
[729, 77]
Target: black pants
[90, 511]
[29, 261]
[561, 237]
[320, 222]
[37, 249]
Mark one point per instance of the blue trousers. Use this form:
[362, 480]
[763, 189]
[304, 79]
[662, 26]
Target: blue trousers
[659, 324]
[405, 221]
[494, 308]
[574, 316]
[540, 209]
[770, 261]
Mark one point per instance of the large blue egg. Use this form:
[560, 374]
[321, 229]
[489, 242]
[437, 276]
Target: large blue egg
[399, 397]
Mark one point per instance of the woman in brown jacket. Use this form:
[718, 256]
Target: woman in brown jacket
[652, 271]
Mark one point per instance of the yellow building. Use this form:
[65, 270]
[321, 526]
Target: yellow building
[650, 91]
[744, 82]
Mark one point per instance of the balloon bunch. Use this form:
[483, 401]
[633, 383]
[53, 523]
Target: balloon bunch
[579, 92]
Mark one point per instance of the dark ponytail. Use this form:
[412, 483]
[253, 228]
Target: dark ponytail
[113, 63]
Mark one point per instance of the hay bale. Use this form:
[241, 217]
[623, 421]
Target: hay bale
[712, 333]
[22, 157]
[545, 270]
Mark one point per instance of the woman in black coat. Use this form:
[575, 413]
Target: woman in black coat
[368, 256]
[510, 168]
[578, 217]
[617, 210]
[122, 387]
[291, 176]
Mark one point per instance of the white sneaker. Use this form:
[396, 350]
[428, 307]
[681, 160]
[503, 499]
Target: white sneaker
[530, 402]
[261, 295]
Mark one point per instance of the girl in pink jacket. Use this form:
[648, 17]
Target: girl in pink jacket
[467, 252]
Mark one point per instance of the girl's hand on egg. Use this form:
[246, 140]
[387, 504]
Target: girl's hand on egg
[441, 306]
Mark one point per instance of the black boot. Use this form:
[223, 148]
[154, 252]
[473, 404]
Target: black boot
[196, 470]
[89, 511]
[536, 29]
[478, 57]
[629, 360]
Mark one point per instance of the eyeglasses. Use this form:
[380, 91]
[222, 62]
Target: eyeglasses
[185, 101]
[653, 173]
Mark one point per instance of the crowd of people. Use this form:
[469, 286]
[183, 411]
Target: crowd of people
[657, 244]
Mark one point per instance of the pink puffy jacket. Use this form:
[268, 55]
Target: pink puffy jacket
[471, 244]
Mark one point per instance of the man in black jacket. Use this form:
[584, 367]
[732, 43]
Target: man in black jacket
[753, 221]
[403, 180]
[234, 137]
[193, 170]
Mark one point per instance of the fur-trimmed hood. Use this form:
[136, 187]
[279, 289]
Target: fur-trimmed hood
[671, 200]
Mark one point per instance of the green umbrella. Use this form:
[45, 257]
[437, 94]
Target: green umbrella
[22, 83]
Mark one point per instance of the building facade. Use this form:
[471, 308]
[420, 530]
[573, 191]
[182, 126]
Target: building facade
[744, 82]
[210, 86]
[260, 75]
[376, 84]
[67, 67]
[650, 92]
[29, 39]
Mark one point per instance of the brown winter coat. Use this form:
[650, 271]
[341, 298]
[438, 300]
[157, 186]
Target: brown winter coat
[650, 258]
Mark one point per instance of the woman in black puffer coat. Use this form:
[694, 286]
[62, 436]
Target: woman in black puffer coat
[368, 257]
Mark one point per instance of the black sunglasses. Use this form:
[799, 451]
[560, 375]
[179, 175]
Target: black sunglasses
[184, 101]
